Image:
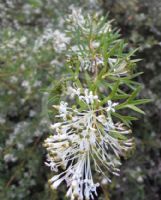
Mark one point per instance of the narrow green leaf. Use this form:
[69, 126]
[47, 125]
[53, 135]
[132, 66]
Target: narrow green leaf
[120, 96]
[132, 53]
[135, 108]
[134, 94]
[125, 119]
[141, 101]
[117, 135]
[112, 94]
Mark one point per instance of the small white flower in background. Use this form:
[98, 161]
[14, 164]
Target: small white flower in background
[37, 83]
[55, 62]
[20, 146]
[95, 44]
[82, 138]
[32, 113]
[13, 79]
[10, 158]
[140, 179]
[2, 120]
[47, 35]
[23, 40]
[75, 48]
[25, 84]
[22, 66]
[10, 3]
[60, 41]
[38, 133]
[76, 17]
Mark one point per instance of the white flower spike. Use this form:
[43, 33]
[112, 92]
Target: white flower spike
[83, 138]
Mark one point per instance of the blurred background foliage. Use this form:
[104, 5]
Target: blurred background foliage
[27, 72]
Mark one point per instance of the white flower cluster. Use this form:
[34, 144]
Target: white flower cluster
[84, 137]
[60, 40]
[89, 64]
[78, 20]
[9, 158]
[47, 35]
[76, 17]
[117, 67]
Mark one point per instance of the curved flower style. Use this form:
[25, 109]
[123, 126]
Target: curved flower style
[84, 137]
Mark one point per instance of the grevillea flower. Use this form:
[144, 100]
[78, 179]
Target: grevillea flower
[77, 20]
[90, 64]
[85, 138]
